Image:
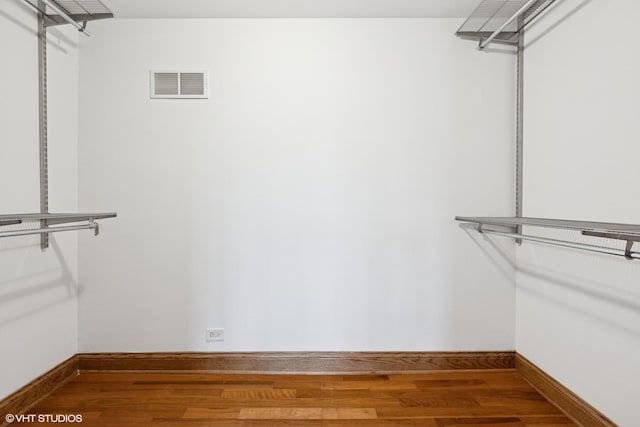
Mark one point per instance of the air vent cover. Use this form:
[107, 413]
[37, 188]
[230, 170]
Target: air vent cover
[179, 84]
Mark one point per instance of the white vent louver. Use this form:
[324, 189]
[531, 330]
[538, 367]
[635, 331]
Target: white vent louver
[179, 84]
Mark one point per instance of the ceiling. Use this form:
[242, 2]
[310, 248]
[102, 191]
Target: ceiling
[291, 8]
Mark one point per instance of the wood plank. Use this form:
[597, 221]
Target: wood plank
[464, 412]
[349, 414]
[569, 402]
[558, 421]
[368, 385]
[308, 413]
[281, 413]
[467, 422]
[436, 399]
[281, 393]
[293, 423]
[225, 413]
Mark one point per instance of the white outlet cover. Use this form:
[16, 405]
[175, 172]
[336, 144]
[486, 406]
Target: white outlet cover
[214, 334]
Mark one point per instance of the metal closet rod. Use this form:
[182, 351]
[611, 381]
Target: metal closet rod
[91, 226]
[580, 246]
[66, 17]
[520, 11]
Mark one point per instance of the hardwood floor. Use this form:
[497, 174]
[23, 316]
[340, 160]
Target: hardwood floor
[442, 398]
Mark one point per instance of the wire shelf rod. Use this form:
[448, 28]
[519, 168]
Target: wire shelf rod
[566, 244]
[13, 233]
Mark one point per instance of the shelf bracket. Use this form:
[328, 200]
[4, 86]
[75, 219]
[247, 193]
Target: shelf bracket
[628, 253]
[630, 239]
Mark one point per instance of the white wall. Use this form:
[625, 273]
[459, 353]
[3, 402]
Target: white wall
[578, 315]
[309, 203]
[38, 303]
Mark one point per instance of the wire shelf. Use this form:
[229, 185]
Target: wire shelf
[53, 218]
[46, 221]
[491, 15]
[626, 232]
[78, 10]
[76, 7]
[589, 226]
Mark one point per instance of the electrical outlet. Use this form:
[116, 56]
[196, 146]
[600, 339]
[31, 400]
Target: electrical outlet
[215, 334]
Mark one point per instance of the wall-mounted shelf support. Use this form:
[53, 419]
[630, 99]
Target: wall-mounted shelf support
[52, 13]
[42, 117]
[626, 232]
[504, 21]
